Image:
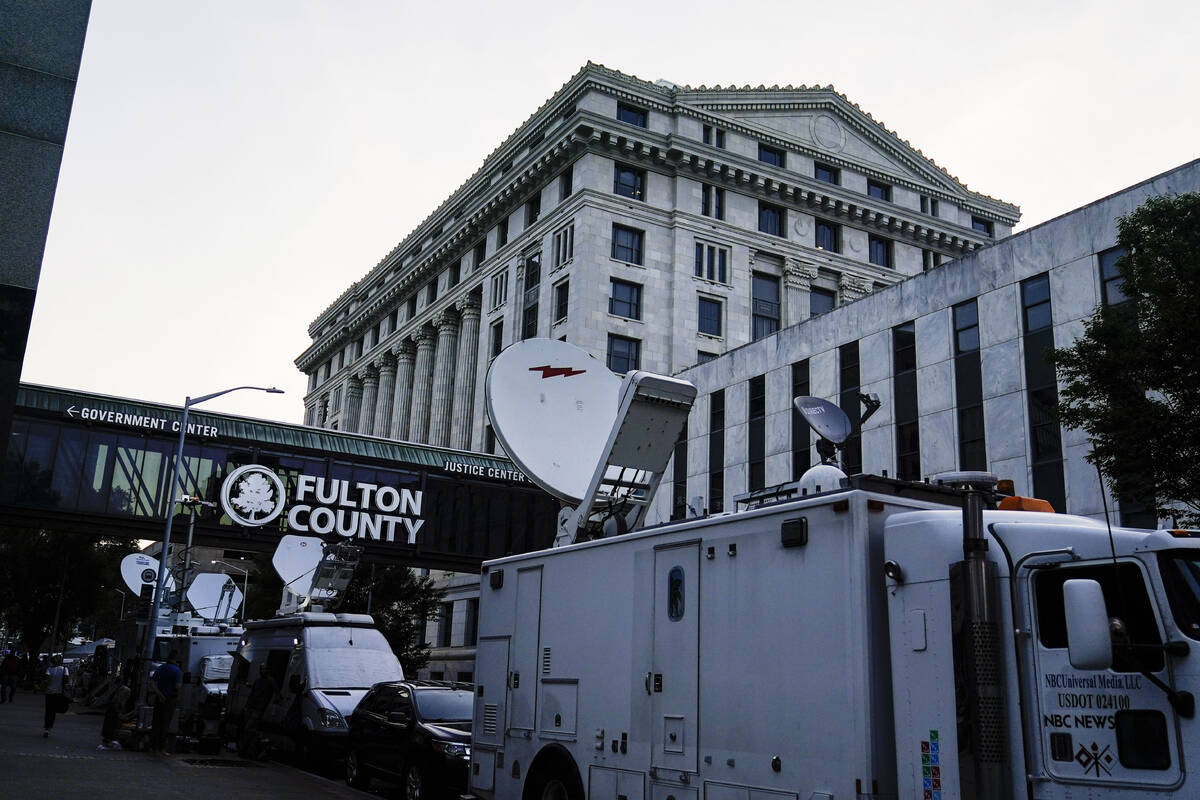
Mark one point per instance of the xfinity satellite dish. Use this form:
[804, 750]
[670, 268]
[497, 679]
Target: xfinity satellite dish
[296, 559]
[828, 420]
[214, 595]
[552, 406]
[596, 441]
[139, 568]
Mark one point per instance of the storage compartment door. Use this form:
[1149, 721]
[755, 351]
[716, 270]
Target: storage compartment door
[491, 692]
[673, 681]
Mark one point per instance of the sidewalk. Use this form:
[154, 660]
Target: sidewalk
[67, 765]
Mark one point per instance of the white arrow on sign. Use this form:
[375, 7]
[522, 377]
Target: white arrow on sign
[71, 411]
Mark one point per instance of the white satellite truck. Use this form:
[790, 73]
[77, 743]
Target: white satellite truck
[861, 638]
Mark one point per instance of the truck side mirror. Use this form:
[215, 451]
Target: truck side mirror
[295, 684]
[1089, 643]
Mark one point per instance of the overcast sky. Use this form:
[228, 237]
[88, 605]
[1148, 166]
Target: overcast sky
[231, 167]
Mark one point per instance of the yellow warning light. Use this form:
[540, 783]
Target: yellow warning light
[1018, 503]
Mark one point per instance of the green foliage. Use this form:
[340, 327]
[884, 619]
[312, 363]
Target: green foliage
[1132, 380]
[401, 602]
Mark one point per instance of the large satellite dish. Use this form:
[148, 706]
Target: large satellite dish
[552, 407]
[214, 595]
[139, 568]
[828, 420]
[296, 560]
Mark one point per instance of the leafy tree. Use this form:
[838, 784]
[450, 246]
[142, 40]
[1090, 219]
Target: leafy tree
[402, 602]
[1132, 380]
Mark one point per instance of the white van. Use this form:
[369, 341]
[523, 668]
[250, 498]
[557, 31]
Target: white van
[322, 664]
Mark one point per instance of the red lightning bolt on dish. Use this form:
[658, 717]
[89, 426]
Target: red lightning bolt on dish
[554, 372]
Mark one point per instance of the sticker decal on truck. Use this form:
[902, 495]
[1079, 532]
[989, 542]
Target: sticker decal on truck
[931, 768]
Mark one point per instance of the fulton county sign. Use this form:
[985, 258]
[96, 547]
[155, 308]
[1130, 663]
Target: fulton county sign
[254, 496]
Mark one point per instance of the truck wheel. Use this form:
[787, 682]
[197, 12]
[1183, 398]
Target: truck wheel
[414, 781]
[357, 776]
[551, 784]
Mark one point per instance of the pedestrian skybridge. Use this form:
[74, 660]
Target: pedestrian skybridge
[102, 465]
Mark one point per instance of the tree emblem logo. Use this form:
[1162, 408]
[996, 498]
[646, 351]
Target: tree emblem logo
[252, 495]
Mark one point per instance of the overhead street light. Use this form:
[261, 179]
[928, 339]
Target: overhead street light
[245, 583]
[148, 650]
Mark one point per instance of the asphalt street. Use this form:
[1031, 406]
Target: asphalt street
[68, 765]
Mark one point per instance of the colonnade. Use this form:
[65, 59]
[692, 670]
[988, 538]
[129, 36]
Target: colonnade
[422, 388]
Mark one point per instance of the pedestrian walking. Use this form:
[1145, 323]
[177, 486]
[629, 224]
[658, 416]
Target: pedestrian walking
[164, 684]
[10, 670]
[57, 681]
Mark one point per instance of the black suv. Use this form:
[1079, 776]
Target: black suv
[416, 733]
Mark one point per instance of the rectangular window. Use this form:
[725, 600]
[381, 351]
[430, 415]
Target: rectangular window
[983, 226]
[497, 337]
[627, 244]
[821, 301]
[565, 183]
[1042, 388]
[710, 316]
[712, 201]
[625, 299]
[929, 205]
[714, 136]
[455, 275]
[480, 253]
[624, 354]
[679, 498]
[533, 209]
[431, 292]
[771, 155]
[880, 251]
[1112, 285]
[828, 236]
[529, 322]
[756, 450]
[879, 190]
[712, 262]
[827, 174]
[716, 452]
[771, 219]
[392, 320]
[444, 626]
[904, 385]
[489, 439]
[801, 438]
[533, 272]
[412, 306]
[629, 182]
[471, 628]
[631, 114]
[502, 233]
[764, 301]
[564, 245]
[849, 402]
[499, 290]
[562, 291]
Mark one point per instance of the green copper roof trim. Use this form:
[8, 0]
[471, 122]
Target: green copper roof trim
[243, 429]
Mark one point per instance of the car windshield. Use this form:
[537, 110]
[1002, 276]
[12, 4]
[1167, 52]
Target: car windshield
[1181, 579]
[444, 705]
[349, 658]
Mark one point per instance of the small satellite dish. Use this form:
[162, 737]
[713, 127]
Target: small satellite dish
[214, 595]
[139, 568]
[296, 559]
[552, 407]
[828, 420]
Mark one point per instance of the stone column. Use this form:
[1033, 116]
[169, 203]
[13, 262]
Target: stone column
[354, 393]
[404, 388]
[366, 418]
[465, 369]
[418, 423]
[797, 286]
[443, 379]
[387, 388]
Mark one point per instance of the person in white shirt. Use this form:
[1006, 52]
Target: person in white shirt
[57, 678]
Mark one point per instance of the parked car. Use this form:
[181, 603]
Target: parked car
[415, 733]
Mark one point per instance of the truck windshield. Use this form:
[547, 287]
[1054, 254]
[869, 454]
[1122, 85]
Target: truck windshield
[444, 705]
[1181, 579]
[349, 658]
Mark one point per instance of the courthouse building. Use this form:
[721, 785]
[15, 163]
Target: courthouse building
[654, 225]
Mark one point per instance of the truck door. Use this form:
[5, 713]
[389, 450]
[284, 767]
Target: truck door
[1113, 727]
[522, 680]
[491, 701]
[673, 681]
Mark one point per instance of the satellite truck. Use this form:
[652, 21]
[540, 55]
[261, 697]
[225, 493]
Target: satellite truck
[838, 638]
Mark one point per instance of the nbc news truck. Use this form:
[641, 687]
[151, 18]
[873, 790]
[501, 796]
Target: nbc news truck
[882, 640]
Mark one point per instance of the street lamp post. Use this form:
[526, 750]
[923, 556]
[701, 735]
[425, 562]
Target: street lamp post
[121, 616]
[148, 650]
[245, 584]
